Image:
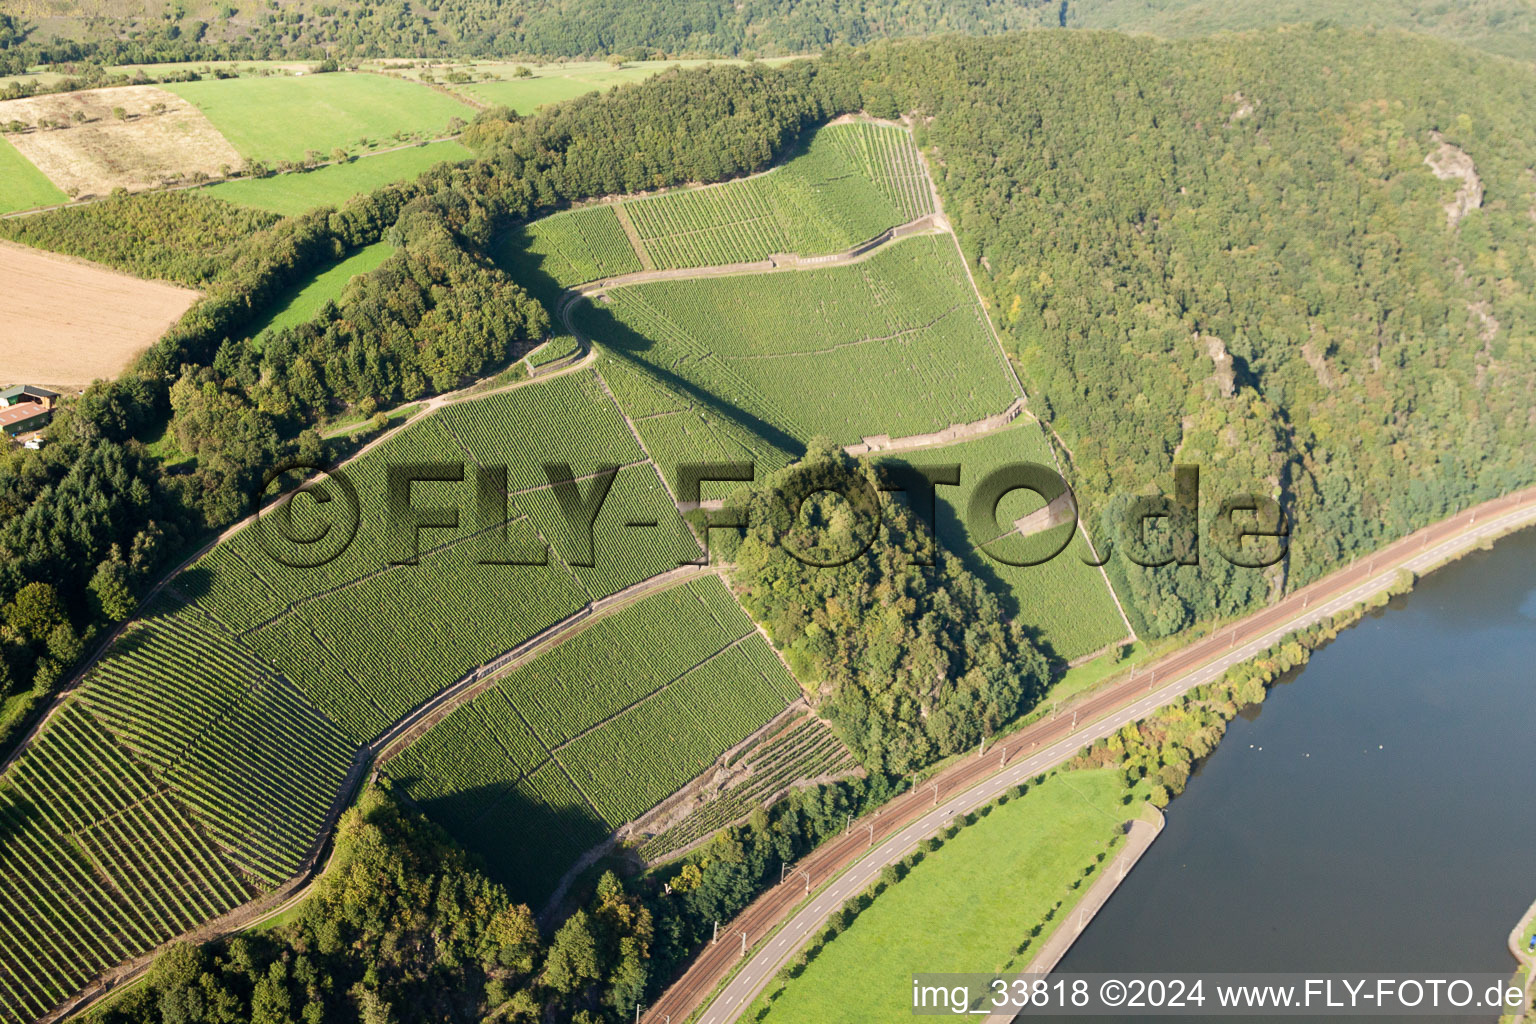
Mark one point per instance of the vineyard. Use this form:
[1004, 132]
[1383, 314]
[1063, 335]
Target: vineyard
[1065, 598]
[561, 346]
[368, 640]
[804, 749]
[182, 781]
[677, 430]
[569, 248]
[852, 182]
[547, 752]
[896, 344]
[849, 184]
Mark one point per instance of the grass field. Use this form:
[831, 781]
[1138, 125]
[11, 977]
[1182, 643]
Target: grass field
[977, 898]
[23, 186]
[893, 345]
[273, 119]
[333, 185]
[301, 303]
[1065, 599]
[546, 753]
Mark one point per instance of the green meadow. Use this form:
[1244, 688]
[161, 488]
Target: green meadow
[290, 194]
[23, 186]
[280, 118]
[302, 303]
[978, 897]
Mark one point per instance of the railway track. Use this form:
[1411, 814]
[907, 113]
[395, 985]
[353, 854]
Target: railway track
[1043, 743]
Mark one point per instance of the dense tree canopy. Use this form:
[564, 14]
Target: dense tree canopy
[321, 29]
[909, 649]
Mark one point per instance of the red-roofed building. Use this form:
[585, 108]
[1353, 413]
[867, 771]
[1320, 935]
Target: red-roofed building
[24, 408]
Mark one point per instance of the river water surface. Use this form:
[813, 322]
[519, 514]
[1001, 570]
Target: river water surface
[1377, 814]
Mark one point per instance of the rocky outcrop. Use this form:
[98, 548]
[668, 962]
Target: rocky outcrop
[1244, 108]
[1449, 163]
[1225, 377]
[1312, 352]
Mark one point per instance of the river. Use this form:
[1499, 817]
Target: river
[1377, 813]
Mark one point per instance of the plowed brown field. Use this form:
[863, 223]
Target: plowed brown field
[68, 322]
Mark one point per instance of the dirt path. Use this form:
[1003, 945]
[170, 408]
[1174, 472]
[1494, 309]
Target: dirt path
[782, 918]
[777, 264]
[467, 394]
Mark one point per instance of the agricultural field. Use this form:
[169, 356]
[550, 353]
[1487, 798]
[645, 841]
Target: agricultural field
[895, 344]
[23, 186]
[301, 303]
[803, 750]
[87, 149]
[561, 346]
[320, 112]
[678, 426]
[69, 322]
[1025, 854]
[367, 639]
[1065, 598]
[546, 753]
[182, 780]
[848, 184]
[334, 184]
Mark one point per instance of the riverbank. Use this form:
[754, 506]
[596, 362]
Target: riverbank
[1317, 805]
[718, 983]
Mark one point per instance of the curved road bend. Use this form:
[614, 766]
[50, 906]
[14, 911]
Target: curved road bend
[902, 823]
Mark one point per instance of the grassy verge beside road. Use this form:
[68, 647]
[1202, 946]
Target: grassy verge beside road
[979, 898]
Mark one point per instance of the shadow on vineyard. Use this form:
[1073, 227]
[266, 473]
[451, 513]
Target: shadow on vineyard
[523, 843]
[513, 253]
[622, 341]
[953, 538]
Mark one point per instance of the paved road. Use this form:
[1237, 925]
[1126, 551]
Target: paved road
[896, 829]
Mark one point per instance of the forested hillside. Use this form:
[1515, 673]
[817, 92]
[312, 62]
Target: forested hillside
[1232, 253]
[1498, 26]
[312, 29]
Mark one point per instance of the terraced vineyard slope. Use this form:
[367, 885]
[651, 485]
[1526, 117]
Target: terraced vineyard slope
[368, 639]
[182, 780]
[851, 182]
[896, 344]
[595, 732]
[1066, 598]
[803, 750]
